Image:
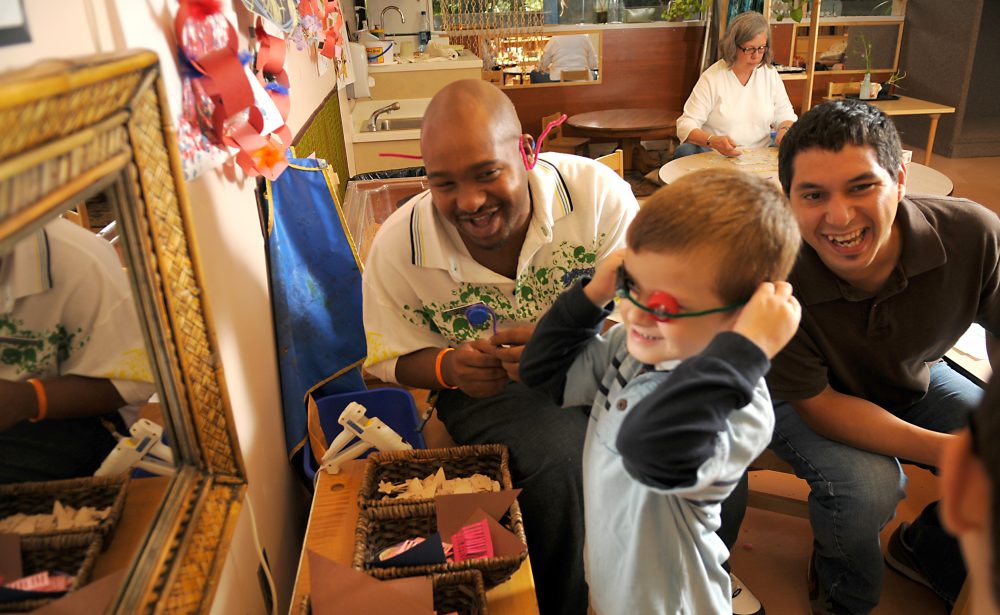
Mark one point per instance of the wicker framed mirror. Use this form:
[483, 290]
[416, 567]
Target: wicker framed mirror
[100, 125]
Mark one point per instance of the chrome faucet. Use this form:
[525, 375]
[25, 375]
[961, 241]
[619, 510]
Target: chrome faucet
[373, 120]
[391, 7]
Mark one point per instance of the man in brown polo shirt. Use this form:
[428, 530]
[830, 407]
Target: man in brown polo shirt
[887, 285]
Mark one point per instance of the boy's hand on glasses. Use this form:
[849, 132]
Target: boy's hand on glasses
[770, 318]
[601, 289]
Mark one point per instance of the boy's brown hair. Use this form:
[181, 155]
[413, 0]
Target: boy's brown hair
[744, 216]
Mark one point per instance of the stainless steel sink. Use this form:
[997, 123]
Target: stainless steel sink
[396, 123]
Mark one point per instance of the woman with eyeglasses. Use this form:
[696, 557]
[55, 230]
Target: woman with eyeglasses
[739, 100]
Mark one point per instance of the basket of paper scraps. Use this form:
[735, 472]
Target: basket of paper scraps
[76, 506]
[453, 533]
[335, 588]
[417, 476]
[51, 566]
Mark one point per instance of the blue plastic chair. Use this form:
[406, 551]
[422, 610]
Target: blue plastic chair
[393, 406]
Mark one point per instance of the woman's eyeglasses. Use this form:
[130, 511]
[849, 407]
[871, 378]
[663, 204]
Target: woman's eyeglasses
[752, 50]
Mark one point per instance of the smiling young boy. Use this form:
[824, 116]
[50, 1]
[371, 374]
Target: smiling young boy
[678, 402]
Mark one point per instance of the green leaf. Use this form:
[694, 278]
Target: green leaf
[796, 14]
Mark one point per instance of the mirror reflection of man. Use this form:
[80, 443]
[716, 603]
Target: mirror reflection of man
[491, 233]
[565, 52]
[71, 353]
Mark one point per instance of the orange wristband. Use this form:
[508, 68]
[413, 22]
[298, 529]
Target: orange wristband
[437, 368]
[43, 400]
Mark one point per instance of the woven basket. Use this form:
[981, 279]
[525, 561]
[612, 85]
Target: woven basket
[460, 592]
[489, 460]
[383, 526]
[73, 555]
[38, 498]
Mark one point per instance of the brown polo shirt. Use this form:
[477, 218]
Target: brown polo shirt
[878, 347]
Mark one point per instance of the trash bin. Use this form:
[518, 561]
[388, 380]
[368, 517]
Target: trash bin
[391, 174]
[372, 197]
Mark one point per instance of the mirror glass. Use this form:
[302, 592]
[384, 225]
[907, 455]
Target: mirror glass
[70, 319]
[100, 302]
[841, 47]
[545, 60]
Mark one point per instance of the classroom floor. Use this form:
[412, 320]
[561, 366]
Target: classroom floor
[773, 549]
[772, 552]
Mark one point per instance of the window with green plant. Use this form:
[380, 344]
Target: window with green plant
[685, 9]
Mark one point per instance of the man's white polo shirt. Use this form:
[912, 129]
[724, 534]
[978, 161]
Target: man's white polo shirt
[420, 279]
[66, 307]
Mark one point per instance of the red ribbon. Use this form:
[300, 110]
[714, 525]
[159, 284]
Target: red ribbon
[223, 79]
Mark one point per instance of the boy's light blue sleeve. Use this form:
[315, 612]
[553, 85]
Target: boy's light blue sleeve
[568, 332]
[590, 366]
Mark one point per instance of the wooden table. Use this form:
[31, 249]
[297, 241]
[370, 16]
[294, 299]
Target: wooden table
[627, 126]
[142, 502]
[330, 533]
[914, 106]
[925, 180]
[764, 163]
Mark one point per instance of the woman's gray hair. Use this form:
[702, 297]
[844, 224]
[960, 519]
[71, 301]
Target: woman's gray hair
[741, 29]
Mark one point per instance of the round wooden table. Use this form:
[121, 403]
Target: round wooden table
[762, 162]
[628, 126]
[925, 180]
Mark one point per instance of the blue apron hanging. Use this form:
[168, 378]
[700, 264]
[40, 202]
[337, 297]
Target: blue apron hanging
[315, 296]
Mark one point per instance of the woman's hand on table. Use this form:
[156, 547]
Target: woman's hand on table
[782, 131]
[724, 145]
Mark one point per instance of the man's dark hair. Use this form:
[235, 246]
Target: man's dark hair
[834, 124]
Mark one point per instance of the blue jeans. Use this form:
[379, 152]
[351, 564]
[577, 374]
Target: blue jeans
[854, 494]
[56, 449]
[689, 149]
[540, 77]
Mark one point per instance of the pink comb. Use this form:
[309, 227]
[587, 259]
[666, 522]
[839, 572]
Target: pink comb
[473, 541]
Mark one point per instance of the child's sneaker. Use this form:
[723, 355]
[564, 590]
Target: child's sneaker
[744, 602]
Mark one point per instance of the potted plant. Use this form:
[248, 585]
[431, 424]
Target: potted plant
[890, 85]
[867, 92]
[601, 11]
[679, 10]
[792, 9]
